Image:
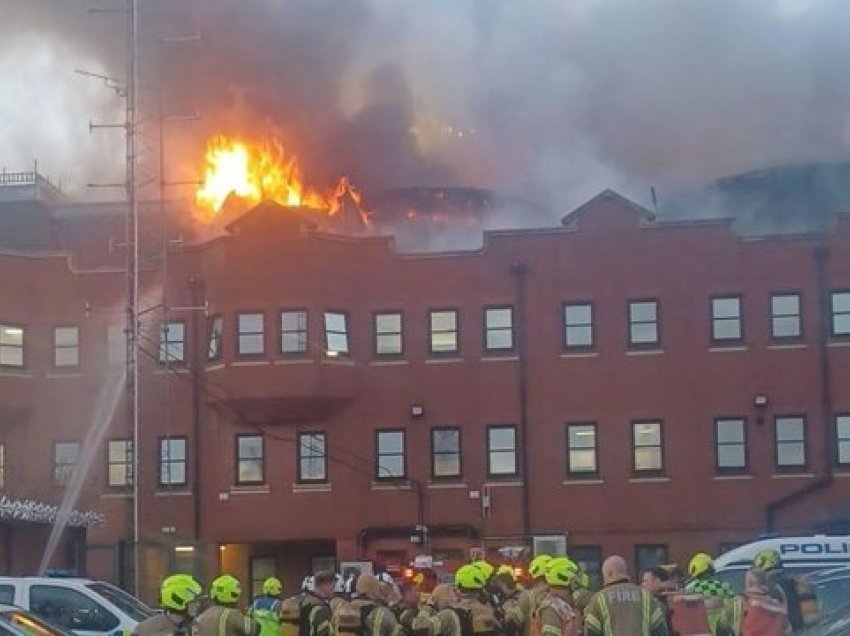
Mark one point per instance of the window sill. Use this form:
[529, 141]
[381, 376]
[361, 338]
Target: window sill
[495, 357]
[645, 352]
[250, 363]
[388, 363]
[402, 484]
[451, 485]
[259, 489]
[839, 343]
[291, 361]
[214, 367]
[733, 477]
[793, 476]
[505, 484]
[172, 493]
[337, 362]
[61, 375]
[788, 345]
[648, 480]
[171, 370]
[443, 360]
[116, 495]
[579, 354]
[304, 488]
[583, 482]
[843, 474]
[7, 372]
[727, 348]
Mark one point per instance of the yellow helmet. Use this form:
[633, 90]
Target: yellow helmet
[537, 567]
[560, 572]
[581, 580]
[507, 569]
[767, 559]
[486, 569]
[226, 589]
[178, 591]
[272, 587]
[470, 577]
[700, 564]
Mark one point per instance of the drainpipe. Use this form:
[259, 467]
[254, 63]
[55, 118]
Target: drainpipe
[519, 270]
[197, 287]
[821, 256]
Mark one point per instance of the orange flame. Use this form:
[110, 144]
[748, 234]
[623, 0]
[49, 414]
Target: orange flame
[256, 172]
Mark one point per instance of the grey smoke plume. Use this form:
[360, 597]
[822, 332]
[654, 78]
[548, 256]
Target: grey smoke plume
[550, 99]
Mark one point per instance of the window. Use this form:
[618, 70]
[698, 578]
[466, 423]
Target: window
[581, 450]
[11, 346]
[312, 457]
[499, 329]
[444, 331]
[790, 442]
[172, 461]
[172, 343]
[501, 451]
[388, 334]
[249, 459]
[116, 344]
[250, 329]
[262, 568]
[650, 556]
[578, 325]
[731, 444]
[647, 447]
[293, 332]
[7, 594]
[65, 455]
[840, 302]
[445, 452]
[726, 319]
[643, 323]
[66, 346]
[336, 333]
[786, 322]
[216, 331]
[842, 446]
[390, 455]
[69, 609]
[589, 559]
[119, 458]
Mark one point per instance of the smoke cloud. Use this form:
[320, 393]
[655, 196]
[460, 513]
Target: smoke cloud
[551, 100]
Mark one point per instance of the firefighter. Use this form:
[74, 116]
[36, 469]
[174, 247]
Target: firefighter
[529, 599]
[368, 614]
[780, 585]
[436, 617]
[180, 597]
[502, 592]
[622, 608]
[555, 615]
[315, 612]
[475, 612]
[222, 618]
[406, 608]
[715, 593]
[266, 608]
[756, 612]
[582, 592]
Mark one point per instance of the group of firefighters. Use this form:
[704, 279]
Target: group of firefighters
[489, 601]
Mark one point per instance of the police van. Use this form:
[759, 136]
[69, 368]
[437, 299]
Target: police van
[800, 555]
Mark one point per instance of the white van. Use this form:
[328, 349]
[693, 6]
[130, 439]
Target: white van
[800, 555]
[82, 606]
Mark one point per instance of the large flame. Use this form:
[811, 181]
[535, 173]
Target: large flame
[259, 171]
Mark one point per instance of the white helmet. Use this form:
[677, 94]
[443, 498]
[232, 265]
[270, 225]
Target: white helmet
[308, 584]
[339, 586]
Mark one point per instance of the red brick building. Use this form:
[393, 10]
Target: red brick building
[629, 385]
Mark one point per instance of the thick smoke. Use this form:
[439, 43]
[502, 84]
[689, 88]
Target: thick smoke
[548, 99]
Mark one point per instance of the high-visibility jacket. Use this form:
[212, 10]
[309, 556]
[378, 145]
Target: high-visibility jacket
[265, 610]
[166, 624]
[624, 609]
[554, 617]
[218, 620]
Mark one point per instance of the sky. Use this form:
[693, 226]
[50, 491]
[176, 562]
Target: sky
[547, 99]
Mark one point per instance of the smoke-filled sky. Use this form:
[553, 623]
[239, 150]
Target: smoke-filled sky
[549, 99]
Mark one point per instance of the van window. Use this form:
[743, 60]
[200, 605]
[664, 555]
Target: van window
[27, 623]
[130, 605]
[7, 594]
[69, 609]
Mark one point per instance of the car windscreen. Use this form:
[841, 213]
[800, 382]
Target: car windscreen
[130, 605]
[29, 624]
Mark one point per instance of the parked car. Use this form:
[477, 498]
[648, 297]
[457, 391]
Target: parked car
[835, 623]
[81, 606]
[832, 588]
[17, 622]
